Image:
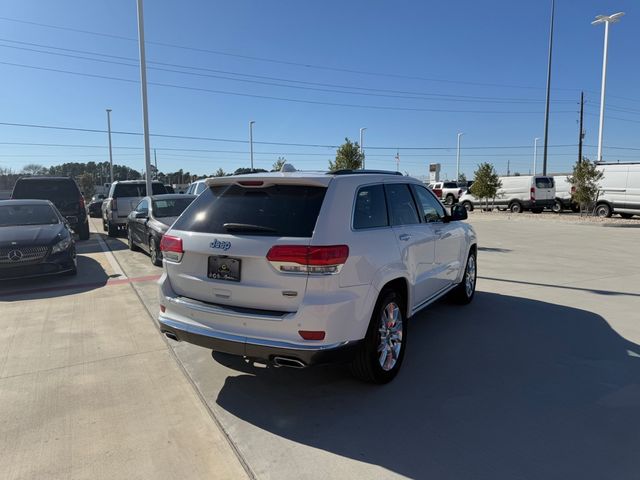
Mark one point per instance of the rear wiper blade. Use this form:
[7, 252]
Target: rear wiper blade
[246, 227]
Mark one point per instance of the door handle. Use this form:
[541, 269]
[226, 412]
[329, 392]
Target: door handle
[405, 237]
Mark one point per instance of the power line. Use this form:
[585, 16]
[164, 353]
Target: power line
[284, 99]
[396, 93]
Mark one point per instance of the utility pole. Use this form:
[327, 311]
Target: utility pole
[535, 154]
[581, 133]
[251, 142]
[458, 157]
[109, 132]
[143, 85]
[508, 165]
[155, 162]
[546, 110]
[362, 145]
[397, 160]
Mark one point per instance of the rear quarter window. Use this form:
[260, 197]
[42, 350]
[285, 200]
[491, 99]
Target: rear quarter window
[278, 210]
[370, 208]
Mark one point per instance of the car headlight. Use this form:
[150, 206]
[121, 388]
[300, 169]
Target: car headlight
[62, 245]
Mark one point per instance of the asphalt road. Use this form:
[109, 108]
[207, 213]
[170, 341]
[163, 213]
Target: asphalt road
[538, 378]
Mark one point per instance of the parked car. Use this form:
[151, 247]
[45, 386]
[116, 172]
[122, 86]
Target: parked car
[151, 218]
[564, 195]
[169, 188]
[449, 192]
[296, 269]
[35, 240]
[517, 194]
[123, 197]
[95, 206]
[619, 190]
[197, 187]
[63, 192]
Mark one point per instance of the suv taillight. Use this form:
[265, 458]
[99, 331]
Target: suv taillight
[308, 259]
[114, 204]
[533, 194]
[573, 189]
[171, 248]
[82, 205]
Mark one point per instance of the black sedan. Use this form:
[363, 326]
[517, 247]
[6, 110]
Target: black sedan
[35, 240]
[95, 206]
[151, 218]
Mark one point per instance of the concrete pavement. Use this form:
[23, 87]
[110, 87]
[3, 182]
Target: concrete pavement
[89, 388]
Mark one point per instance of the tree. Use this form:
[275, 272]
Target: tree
[462, 178]
[486, 183]
[348, 157]
[219, 173]
[87, 185]
[243, 171]
[277, 165]
[584, 181]
[34, 169]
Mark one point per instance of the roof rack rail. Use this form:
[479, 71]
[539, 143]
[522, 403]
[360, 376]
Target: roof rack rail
[349, 171]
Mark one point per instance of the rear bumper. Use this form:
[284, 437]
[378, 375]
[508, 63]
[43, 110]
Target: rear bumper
[540, 203]
[257, 349]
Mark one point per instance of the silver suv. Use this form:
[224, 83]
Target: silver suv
[124, 196]
[295, 269]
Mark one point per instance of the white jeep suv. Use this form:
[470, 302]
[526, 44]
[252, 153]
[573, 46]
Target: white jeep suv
[294, 269]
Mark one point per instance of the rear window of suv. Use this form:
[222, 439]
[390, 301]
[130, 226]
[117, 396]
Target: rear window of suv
[544, 182]
[450, 185]
[137, 190]
[58, 191]
[277, 210]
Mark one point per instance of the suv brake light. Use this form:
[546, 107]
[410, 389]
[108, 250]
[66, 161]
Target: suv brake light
[308, 259]
[82, 204]
[533, 194]
[171, 248]
[114, 203]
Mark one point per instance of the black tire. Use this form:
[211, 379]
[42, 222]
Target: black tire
[130, 243]
[154, 252]
[557, 207]
[515, 207]
[83, 231]
[449, 199]
[468, 206]
[626, 215]
[461, 294]
[603, 210]
[537, 210]
[367, 365]
[112, 230]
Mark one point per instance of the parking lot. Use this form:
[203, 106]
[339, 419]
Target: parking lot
[537, 378]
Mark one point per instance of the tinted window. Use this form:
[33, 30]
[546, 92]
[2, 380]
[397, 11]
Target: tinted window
[171, 207]
[371, 208]
[450, 185]
[544, 182]
[432, 210]
[143, 206]
[57, 191]
[13, 215]
[402, 209]
[200, 187]
[137, 189]
[279, 210]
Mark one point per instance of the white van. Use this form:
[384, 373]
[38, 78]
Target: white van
[519, 193]
[619, 190]
[564, 191]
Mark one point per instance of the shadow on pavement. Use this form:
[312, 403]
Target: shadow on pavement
[564, 287]
[505, 388]
[90, 276]
[93, 246]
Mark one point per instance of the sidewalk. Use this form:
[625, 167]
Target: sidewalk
[89, 389]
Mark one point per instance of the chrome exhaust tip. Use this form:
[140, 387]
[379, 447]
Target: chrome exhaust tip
[288, 362]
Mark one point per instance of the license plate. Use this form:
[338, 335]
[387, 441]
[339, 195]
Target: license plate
[224, 268]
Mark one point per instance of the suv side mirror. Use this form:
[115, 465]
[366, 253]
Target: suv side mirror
[458, 212]
[146, 214]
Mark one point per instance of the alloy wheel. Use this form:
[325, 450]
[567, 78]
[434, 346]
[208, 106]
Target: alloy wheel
[390, 330]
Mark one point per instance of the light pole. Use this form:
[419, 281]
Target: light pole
[458, 157]
[606, 19]
[251, 142]
[546, 109]
[361, 146]
[110, 152]
[143, 84]
[535, 154]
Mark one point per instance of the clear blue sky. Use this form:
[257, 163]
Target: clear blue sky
[473, 57]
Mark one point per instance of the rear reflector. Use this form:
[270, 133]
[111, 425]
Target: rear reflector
[163, 308]
[308, 259]
[312, 334]
[171, 248]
